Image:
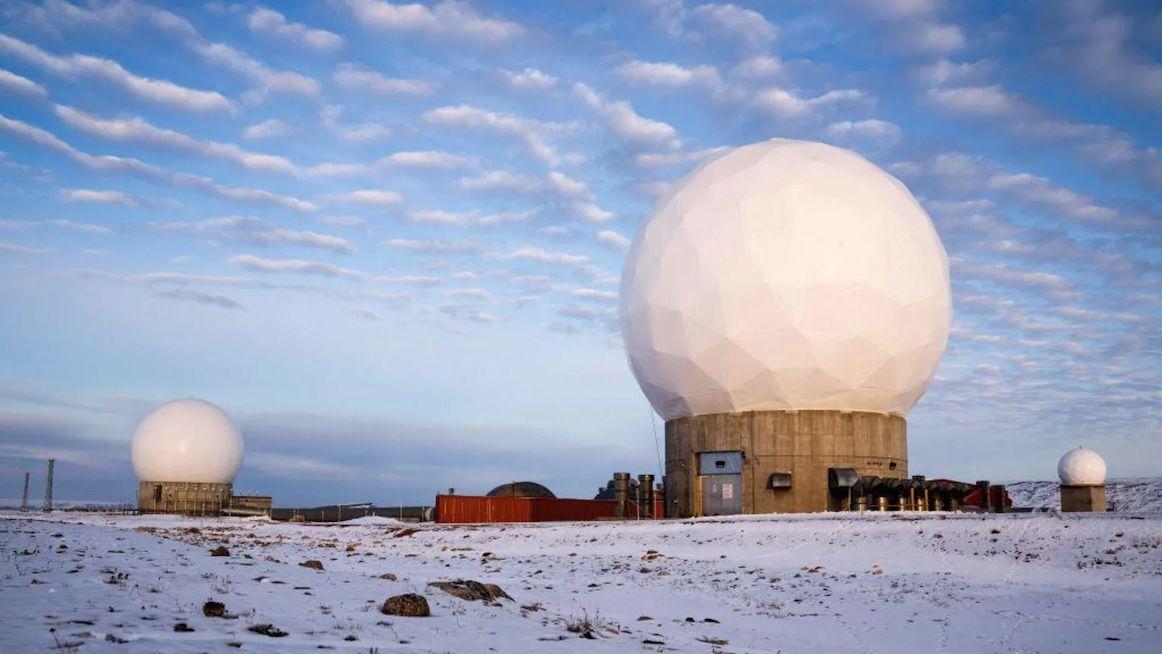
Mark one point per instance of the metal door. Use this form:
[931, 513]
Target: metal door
[721, 494]
[721, 482]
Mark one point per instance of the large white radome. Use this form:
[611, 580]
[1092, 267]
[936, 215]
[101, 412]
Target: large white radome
[187, 440]
[786, 275]
[1082, 467]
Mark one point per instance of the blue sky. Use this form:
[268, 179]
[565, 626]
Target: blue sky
[387, 237]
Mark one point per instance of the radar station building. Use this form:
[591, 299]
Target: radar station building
[186, 454]
[782, 309]
[1083, 481]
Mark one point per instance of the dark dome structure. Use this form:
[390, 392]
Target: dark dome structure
[521, 489]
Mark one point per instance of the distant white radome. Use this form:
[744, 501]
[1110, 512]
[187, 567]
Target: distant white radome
[786, 275]
[187, 441]
[1082, 467]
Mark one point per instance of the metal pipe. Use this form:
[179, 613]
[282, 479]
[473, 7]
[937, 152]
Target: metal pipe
[985, 498]
[621, 494]
[645, 489]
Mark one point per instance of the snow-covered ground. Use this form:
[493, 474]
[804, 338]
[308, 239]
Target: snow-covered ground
[894, 583]
[1130, 494]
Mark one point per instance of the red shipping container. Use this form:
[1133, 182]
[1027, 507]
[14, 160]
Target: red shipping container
[468, 509]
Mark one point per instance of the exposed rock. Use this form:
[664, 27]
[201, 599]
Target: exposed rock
[409, 605]
[214, 609]
[312, 564]
[267, 630]
[182, 628]
[467, 589]
[388, 576]
[220, 551]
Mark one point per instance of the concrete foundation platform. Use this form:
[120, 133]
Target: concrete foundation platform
[1083, 499]
[783, 459]
[186, 498]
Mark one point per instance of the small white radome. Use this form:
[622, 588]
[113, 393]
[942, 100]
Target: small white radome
[187, 441]
[786, 275]
[1082, 467]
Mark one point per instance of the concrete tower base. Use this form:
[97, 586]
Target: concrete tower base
[187, 498]
[1083, 499]
[775, 461]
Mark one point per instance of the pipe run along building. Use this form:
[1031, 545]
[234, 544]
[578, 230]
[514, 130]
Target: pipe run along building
[186, 454]
[782, 309]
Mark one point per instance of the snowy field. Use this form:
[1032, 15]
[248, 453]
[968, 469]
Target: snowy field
[824, 583]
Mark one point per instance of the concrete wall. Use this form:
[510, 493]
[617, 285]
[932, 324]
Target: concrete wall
[804, 443]
[1083, 499]
[188, 498]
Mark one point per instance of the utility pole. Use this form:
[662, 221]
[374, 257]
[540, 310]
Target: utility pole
[24, 495]
[48, 488]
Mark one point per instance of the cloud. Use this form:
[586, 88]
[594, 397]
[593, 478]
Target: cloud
[591, 212]
[594, 295]
[428, 159]
[447, 19]
[732, 23]
[186, 279]
[667, 74]
[122, 165]
[1039, 190]
[666, 159]
[296, 266]
[266, 129]
[432, 247]
[1097, 42]
[943, 71]
[786, 104]
[21, 85]
[542, 256]
[914, 25]
[881, 132]
[329, 115]
[529, 79]
[758, 66]
[265, 79]
[409, 280]
[721, 23]
[97, 196]
[352, 76]
[210, 299]
[144, 88]
[528, 131]
[270, 22]
[565, 185]
[374, 197]
[88, 228]
[1096, 144]
[1006, 274]
[256, 231]
[978, 100]
[465, 219]
[16, 248]
[139, 131]
[627, 123]
[500, 180]
[615, 240]
[105, 17]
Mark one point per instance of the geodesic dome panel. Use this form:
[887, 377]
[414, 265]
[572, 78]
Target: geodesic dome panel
[785, 275]
[1082, 467]
[187, 441]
